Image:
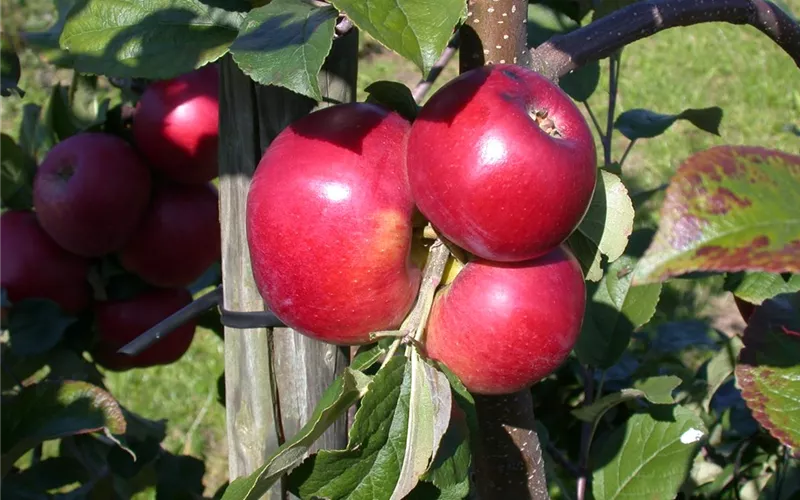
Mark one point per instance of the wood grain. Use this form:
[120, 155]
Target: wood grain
[273, 379]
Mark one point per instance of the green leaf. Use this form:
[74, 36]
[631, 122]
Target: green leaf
[36, 326]
[548, 19]
[45, 43]
[147, 38]
[74, 109]
[431, 402]
[728, 208]
[370, 465]
[450, 470]
[418, 30]
[657, 390]
[367, 356]
[50, 410]
[720, 367]
[341, 395]
[643, 449]
[85, 110]
[394, 96]
[17, 170]
[49, 474]
[285, 43]
[10, 69]
[755, 287]
[615, 310]
[605, 228]
[768, 371]
[644, 124]
[29, 131]
[179, 476]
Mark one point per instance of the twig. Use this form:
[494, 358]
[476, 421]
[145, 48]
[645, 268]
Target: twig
[425, 84]
[431, 277]
[560, 457]
[162, 329]
[597, 126]
[613, 81]
[625, 154]
[737, 467]
[565, 53]
[783, 469]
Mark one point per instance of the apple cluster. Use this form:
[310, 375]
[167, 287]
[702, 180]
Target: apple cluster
[148, 205]
[499, 161]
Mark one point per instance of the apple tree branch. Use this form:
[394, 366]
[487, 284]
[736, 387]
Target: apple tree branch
[599, 39]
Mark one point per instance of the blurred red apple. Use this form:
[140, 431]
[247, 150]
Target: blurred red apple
[90, 192]
[329, 224]
[176, 125]
[34, 266]
[502, 162]
[178, 238]
[501, 327]
[119, 322]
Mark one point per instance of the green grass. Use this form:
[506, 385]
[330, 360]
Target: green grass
[733, 67]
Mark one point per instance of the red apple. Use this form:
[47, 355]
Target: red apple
[329, 224]
[502, 162]
[119, 322]
[34, 266]
[178, 238]
[502, 327]
[176, 126]
[90, 193]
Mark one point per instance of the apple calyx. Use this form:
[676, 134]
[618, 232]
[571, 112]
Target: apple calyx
[546, 123]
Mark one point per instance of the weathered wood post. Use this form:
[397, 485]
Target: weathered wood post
[273, 379]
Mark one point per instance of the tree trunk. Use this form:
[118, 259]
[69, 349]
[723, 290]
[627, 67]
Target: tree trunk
[508, 462]
[273, 380]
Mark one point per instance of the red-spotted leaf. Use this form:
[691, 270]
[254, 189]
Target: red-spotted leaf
[50, 410]
[768, 371]
[728, 208]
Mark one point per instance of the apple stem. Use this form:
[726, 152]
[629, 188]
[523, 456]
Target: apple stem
[382, 334]
[613, 81]
[413, 327]
[415, 322]
[565, 53]
[424, 85]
